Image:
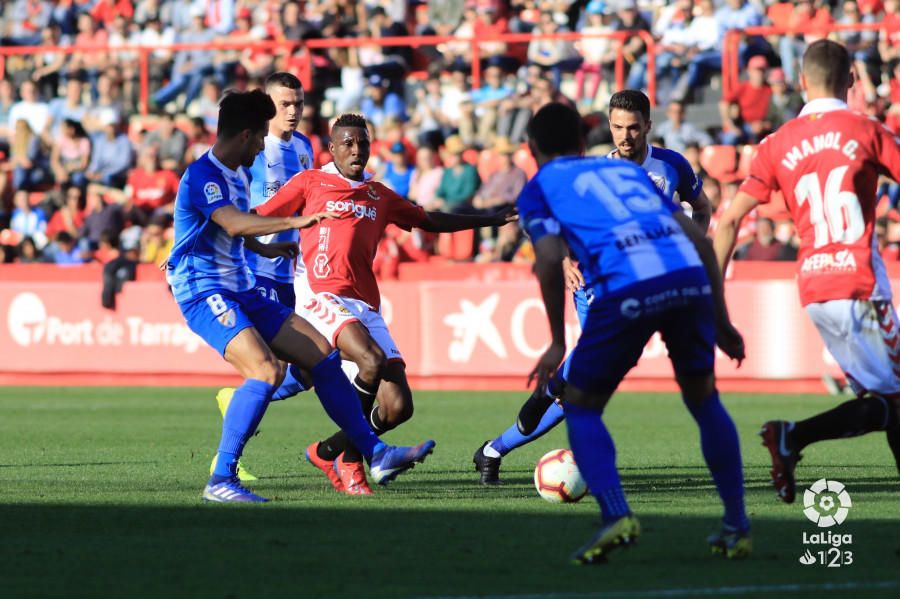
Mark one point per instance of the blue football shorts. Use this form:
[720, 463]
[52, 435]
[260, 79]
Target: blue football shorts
[678, 305]
[283, 293]
[218, 316]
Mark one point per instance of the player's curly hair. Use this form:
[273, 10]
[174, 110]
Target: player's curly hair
[239, 111]
[631, 100]
[350, 120]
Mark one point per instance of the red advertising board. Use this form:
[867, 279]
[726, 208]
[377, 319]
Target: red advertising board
[460, 329]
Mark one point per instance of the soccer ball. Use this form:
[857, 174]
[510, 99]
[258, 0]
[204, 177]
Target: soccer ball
[557, 479]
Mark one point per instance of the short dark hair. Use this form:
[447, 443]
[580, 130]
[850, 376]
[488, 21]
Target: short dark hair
[631, 100]
[350, 120]
[556, 129]
[283, 79]
[240, 111]
[826, 64]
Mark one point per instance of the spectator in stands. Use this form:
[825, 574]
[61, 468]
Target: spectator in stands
[29, 158]
[813, 14]
[735, 14]
[445, 15]
[92, 40]
[206, 106]
[28, 221]
[599, 53]
[220, 16]
[120, 268]
[27, 252]
[28, 18]
[71, 154]
[396, 59]
[146, 11]
[156, 241]
[150, 190]
[70, 216]
[426, 117]
[628, 18]
[785, 103]
[691, 153]
[108, 247]
[486, 102]
[199, 141]
[676, 133]
[380, 103]
[456, 103]
[7, 100]
[862, 45]
[764, 245]
[191, 67]
[515, 111]
[501, 189]
[111, 154]
[396, 173]
[106, 11]
[100, 216]
[64, 251]
[504, 184]
[489, 23]
[669, 29]
[889, 37]
[154, 35]
[108, 101]
[744, 111]
[70, 107]
[459, 180]
[426, 177]
[49, 65]
[171, 143]
[293, 27]
[892, 117]
[30, 109]
[559, 56]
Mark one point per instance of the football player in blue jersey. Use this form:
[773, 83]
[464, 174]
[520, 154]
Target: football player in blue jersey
[650, 270]
[207, 271]
[285, 153]
[629, 122]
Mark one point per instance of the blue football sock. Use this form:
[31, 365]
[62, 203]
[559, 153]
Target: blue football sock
[291, 385]
[595, 454]
[722, 452]
[512, 438]
[241, 419]
[341, 403]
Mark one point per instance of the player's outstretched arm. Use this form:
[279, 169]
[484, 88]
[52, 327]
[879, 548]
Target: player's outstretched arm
[444, 222]
[729, 224]
[727, 336]
[236, 222]
[278, 249]
[550, 250]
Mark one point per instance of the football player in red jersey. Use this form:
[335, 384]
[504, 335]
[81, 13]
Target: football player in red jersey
[343, 301]
[826, 162]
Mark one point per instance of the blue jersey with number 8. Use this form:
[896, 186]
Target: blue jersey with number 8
[618, 225]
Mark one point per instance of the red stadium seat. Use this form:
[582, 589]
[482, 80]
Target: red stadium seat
[456, 246]
[720, 162]
[747, 153]
[487, 164]
[525, 161]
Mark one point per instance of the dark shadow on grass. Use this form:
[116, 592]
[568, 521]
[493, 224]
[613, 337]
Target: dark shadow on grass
[281, 550]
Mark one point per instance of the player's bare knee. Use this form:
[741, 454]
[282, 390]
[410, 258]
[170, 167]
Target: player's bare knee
[270, 371]
[371, 363]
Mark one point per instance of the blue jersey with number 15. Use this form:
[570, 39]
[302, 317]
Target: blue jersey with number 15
[614, 219]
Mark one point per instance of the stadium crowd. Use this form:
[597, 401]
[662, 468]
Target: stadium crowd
[84, 176]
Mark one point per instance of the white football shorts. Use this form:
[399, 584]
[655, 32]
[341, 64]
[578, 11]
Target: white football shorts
[863, 336]
[330, 313]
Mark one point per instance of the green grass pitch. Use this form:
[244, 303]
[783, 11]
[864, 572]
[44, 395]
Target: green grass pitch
[99, 497]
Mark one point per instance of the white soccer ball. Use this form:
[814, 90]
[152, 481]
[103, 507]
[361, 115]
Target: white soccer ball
[557, 479]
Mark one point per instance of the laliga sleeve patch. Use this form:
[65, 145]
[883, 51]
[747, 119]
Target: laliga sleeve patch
[213, 193]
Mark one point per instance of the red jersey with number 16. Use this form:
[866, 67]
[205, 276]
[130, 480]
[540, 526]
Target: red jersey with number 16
[826, 162]
[338, 253]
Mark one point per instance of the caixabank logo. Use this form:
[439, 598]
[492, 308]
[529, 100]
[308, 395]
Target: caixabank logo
[827, 504]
